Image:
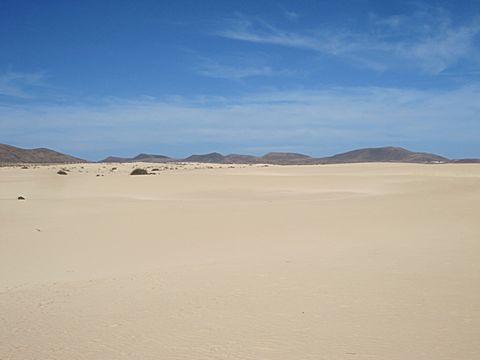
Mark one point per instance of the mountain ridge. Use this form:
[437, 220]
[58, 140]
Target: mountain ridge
[385, 154]
[15, 155]
[377, 154]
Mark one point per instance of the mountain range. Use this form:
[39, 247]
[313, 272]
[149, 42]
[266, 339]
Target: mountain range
[14, 155]
[383, 154]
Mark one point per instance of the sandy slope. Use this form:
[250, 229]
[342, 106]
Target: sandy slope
[365, 261]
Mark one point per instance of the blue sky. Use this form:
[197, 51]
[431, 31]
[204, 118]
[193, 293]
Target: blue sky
[98, 78]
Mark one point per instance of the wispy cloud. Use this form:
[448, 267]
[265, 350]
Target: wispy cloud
[290, 15]
[318, 122]
[425, 40]
[215, 69]
[19, 84]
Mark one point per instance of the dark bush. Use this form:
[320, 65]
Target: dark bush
[21, 198]
[61, 172]
[139, 171]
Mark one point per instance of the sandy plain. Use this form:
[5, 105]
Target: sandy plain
[362, 261]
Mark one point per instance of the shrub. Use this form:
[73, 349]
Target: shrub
[139, 171]
[61, 172]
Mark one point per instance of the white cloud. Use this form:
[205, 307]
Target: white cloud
[215, 69]
[425, 40]
[311, 121]
[18, 84]
[239, 67]
[291, 15]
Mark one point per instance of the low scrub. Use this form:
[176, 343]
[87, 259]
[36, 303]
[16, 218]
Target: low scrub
[139, 171]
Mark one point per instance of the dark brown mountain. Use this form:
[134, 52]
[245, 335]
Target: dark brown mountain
[283, 158]
[214, 157]
[241, 159]
[270, 158]
[466, 161]
[383, 154]
[115, 159]
[15, 155]
[151, 158]
[140, 158]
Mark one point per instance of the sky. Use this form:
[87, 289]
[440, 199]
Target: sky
[100, 78]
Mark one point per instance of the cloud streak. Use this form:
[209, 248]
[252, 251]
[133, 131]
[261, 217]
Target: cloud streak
[317, 122]
[216, 69]
[425, 40]
[18, 84]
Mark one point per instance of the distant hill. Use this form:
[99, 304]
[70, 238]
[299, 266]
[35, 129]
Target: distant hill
[140, 157]
[241, 159]
[206, 158]
[115, 159]
[270, 158]
[383, 154]
[466, 161]
[151, 158]
[283, 158]
[15, 155]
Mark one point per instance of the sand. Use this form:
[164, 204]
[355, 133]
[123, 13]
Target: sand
[363, 261]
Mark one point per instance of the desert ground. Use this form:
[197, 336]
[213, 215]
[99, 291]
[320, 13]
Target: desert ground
[358, 261]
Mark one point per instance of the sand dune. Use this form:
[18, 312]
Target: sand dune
[358, 261]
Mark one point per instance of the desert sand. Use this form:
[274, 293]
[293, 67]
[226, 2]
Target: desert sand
[360, 261]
